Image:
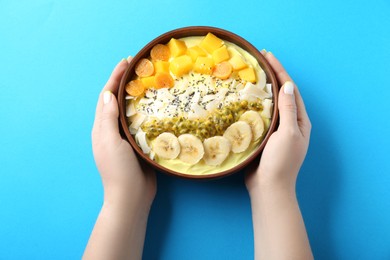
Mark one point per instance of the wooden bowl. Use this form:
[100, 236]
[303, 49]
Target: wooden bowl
[197, 31]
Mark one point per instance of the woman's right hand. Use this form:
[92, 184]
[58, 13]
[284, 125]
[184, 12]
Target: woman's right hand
[279, 230]
[286, 149]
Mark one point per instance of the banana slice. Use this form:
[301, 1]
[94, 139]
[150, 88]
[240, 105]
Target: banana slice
[216, 150]
[240, 136]
[166, 146]
[267, 108]
[191, 149]
[255, 122]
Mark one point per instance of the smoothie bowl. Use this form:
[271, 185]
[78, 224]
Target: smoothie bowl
[198, 102]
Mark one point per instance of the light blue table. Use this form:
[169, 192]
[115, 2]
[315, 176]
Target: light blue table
[55, 56]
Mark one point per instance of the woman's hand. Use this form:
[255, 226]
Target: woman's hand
[122, 174]
[286, 148]
[279, 230]
[129, 187]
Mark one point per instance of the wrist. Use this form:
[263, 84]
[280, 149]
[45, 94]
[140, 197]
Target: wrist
[126, 202]
[271, 188]
[269, 179]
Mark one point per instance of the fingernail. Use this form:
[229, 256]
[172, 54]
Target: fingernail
[263, 51]
[123, 59]
[288, 88]
[107, 97]
[129, 58]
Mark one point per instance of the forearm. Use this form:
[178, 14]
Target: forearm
[279, 229]
[119, 232]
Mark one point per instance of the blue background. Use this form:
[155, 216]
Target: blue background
[55, 57]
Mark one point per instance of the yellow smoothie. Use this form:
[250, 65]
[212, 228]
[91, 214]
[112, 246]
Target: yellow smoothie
[196, 97]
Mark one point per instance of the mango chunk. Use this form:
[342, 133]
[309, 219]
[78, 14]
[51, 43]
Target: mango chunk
[237, 62]
[248, 74]
[177, 47]
[181, 65]
[195, 51]
[220, 54]
[204, 65]
[161, 66]
[210, 43]
[148, 82]
[164, 80]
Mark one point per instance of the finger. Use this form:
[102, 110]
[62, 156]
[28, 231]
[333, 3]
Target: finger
[115, 78]
[108, 121]
[287, 106]
[282, 76]
[302, 116]
[111, 86]
[280, 73]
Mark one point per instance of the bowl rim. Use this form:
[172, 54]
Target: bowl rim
[187, 32]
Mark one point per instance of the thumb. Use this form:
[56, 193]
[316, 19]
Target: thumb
[109, 116]
[287, 105]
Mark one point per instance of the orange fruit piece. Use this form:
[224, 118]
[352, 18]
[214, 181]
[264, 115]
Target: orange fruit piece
[144, 68]
[164, 80]
[248, 74]
[135, 88]
[160, 52]
[148, 82]
[223, 70]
